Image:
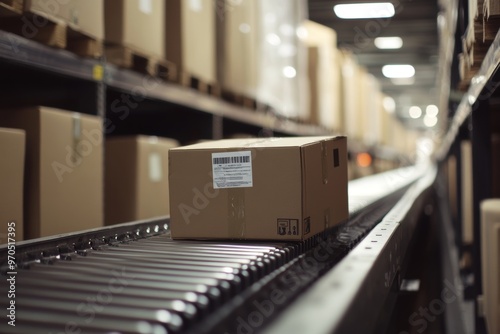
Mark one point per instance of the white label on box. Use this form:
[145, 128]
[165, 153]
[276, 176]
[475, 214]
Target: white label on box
[146, 6]
[196, 5]
[155, 174]
[232, 169]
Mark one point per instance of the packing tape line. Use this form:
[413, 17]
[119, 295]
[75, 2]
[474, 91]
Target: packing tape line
[236, 212]
[77, 133]
[77, 127]
[324, 161]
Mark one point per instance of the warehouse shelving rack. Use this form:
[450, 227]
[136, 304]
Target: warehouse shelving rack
[134, 103]
[130, 102]
[475, 118]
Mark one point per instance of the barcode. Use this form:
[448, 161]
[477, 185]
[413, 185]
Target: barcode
[231, 160]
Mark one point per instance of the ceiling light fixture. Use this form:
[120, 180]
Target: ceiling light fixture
[388, 42]
[370, 10]
[432, 110]
[398, 71]
[430, 121]
[415, 112]
[289, 72]
[389, 104]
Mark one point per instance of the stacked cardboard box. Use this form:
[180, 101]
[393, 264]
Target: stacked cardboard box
[240, 56]
[350, 98]
[269, 189]
[64, 170]
[136, 178]
[490, 263]
[86, 16]
[324, 76]
[12, 146]
[190, 37]
[368, 117]
[136, 24]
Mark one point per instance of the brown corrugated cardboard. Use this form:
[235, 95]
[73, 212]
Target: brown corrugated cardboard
[490, 262]
[86, 16]
[138, 24]
[324, 75]
[136, 178]
[64, 170]
[313, 64]
[12, 145]
[190, 37]
[351, 87]
[263, 188]
[240, 55]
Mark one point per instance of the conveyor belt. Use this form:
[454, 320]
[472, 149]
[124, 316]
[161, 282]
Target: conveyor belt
[133, 278]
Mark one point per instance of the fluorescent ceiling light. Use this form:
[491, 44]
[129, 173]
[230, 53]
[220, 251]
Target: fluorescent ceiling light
[389, 104]
[430, 121]
[398, 71]
[432, 110]
[369, 10]
[245, 28]
[289, 72]
[415, 112]
[388, 42]
[273, 39]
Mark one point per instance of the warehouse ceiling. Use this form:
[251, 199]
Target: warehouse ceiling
[415, 21]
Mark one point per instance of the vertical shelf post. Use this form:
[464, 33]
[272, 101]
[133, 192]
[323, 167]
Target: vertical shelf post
[481, 168]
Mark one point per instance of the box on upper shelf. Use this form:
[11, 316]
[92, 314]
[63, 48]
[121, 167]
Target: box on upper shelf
[262, 188]
[191, 37]
[64, 169]
[240, 60]
[136, 178]
[86, 16]
[12, 148]
[324, 76]
[137, 24]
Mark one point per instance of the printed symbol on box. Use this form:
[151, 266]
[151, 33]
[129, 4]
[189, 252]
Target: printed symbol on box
[307, 225]
[294, 227]
[288, 226]
[283, 226]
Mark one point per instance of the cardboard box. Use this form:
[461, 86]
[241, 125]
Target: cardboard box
[324, 75]
[240, 59]
[86, 16]
[490, 262]
[137, 24]
[64, 170]
[136, 178]
[191, 37]
[264, 188]
[12, 147]
[368, 118]
[351, 101]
